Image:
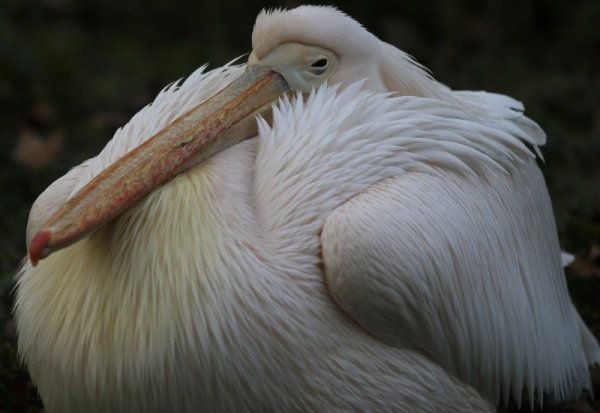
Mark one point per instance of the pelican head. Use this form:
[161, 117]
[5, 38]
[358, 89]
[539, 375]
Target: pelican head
[285, 58]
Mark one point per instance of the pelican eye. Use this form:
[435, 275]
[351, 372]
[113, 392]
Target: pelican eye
[319, 66]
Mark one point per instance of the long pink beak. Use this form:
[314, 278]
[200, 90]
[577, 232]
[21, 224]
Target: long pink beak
[216, 124]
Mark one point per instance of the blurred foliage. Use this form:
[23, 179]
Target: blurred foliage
[71, 72]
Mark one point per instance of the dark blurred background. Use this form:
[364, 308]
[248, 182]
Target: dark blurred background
[71, 72]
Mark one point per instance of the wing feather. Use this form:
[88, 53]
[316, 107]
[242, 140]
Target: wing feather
[467, 269]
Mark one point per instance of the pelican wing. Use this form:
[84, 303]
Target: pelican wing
[467, 270]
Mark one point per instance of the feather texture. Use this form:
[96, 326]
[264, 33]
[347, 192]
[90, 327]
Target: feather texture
[210, 293]
[468, 277]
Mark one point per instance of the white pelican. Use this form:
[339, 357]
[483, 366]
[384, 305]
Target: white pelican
[381, 243]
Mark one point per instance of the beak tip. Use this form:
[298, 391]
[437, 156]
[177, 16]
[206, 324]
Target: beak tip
[38, 248]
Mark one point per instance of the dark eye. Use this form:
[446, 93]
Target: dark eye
[319, 66]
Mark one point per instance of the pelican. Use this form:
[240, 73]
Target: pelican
[324, 229]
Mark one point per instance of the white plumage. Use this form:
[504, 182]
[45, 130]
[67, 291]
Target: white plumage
[384, 244]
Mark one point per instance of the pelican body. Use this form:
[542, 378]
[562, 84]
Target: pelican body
[326, 228]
